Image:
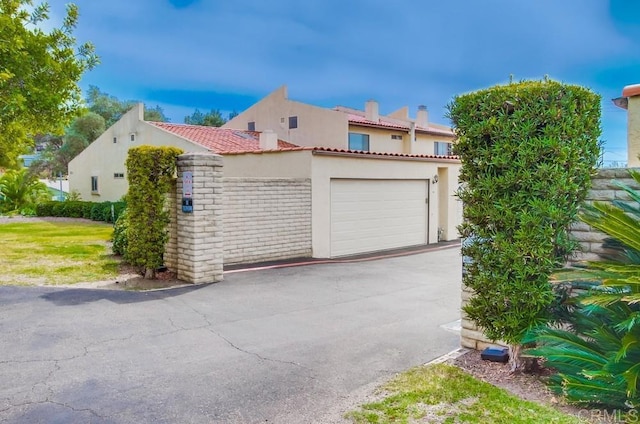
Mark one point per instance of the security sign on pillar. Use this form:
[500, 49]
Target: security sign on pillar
[187, 192]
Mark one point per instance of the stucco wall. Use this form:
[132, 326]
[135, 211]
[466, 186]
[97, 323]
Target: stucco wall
[328, 166]
[104, 158]
[380, 139]
[317, 126]
[266, 219]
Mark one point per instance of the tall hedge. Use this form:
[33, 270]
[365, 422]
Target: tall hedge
[150, 170]
[528, 152]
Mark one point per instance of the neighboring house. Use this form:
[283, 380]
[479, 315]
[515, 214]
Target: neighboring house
[630, 101]
[346, 128]
[59, 188]
[99, 172]
[296, 199]
[27, 160]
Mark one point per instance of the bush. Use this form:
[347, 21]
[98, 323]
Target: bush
[120, 240]
[597, 349]
[150, 171]
[528, 151]
[79, 209]
[45, 208]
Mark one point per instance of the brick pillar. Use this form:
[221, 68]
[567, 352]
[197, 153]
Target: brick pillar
[199, 233]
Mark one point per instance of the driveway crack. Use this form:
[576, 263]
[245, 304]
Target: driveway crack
[257, 355]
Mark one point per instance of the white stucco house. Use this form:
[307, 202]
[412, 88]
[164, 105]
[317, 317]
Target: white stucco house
[303, 196]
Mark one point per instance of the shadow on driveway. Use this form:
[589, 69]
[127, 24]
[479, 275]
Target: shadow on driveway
[70, 297]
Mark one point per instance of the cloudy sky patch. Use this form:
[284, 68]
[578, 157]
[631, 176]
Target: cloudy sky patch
[183, 54]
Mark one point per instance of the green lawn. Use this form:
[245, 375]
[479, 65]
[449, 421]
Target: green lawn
[35, 253]
[446, 394]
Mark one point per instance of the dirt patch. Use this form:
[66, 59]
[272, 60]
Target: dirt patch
[129, 279]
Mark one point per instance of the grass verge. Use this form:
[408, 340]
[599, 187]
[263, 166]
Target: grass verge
[36, 253]
[445, 394]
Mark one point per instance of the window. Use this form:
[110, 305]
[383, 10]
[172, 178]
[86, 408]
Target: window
[133, 137]
[118, 175]
[94, 184]
[396, 137]
[251, 126]
[359, 142]
[441, 148]
[293, 122]
[115, 139]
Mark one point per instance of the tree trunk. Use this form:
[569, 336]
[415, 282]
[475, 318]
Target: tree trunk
[520, 364]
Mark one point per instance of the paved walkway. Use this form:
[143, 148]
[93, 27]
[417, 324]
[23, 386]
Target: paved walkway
[288, 345]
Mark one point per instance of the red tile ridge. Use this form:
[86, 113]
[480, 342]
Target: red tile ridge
[631, 90]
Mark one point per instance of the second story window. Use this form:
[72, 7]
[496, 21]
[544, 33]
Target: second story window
[359, 141]
[441, 148]
[251, 126]
[293, 122]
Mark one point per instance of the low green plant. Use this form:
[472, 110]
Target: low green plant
[596, 347]
[21, 191]
[37, 253]
[120, 240]
[104, 211]
[444, 393]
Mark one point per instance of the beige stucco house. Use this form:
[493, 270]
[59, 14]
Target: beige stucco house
[630, 101]
[301, 196]
[346, 128]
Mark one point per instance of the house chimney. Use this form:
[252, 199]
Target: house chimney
[371, 111]
[422, 117]
[268, 140]
[632, 93]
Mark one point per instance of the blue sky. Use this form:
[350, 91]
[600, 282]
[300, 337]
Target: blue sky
[187, 54]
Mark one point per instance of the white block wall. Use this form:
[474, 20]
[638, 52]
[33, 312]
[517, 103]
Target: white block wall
[266, 219]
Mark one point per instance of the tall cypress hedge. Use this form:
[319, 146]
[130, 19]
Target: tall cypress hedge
[150, 170]
[528, 152]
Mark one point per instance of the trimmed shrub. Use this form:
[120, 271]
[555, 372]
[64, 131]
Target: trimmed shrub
[120, 240]
[528, 152]
[150, 171]
[79, 209]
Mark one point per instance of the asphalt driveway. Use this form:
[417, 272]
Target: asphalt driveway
[290, 345]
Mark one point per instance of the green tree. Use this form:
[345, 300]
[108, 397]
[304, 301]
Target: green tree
[528, 151]
[213, 118]
[59, 151]
[20, 191]
[39, 74]
[155, 114]
[111, 108]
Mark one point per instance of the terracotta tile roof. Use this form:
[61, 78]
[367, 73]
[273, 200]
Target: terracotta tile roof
[219, 140]
[351, 152]
[631, 90]
[357, 117]
[399, 155]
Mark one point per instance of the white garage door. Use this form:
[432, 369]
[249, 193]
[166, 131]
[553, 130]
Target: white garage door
[370, 215]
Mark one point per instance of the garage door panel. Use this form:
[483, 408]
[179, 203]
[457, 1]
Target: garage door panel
[369, 215]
